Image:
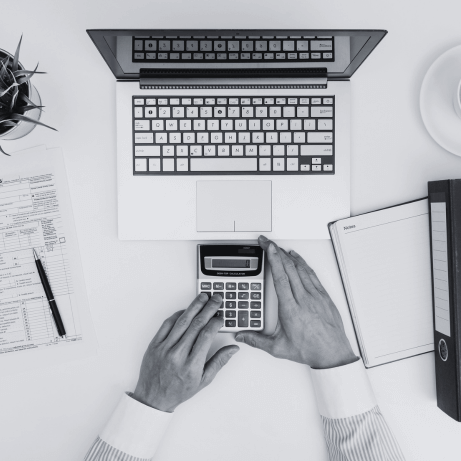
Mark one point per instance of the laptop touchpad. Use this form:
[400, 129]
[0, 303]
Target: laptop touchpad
[234, 206]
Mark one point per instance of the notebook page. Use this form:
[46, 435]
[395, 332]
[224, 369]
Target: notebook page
[387, 262]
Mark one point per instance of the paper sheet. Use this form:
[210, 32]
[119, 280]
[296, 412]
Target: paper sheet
[35, 212]
[387, 260]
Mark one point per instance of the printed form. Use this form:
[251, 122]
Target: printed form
[33, 214]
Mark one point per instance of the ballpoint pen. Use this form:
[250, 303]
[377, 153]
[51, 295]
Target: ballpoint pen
[49, 295]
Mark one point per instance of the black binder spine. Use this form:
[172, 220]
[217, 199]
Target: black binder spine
[445, 198]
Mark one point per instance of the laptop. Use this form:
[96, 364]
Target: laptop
[227, 134]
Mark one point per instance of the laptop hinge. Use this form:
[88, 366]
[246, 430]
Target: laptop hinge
[232, 78]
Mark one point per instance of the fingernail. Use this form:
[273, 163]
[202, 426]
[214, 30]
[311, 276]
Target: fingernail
[272, 248]
[203, 297]
[293, 252]
[239, 337]
[233, 351]
[264, 239]
[217, 298]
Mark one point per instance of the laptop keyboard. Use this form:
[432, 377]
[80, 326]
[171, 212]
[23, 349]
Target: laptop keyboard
[233, 49]
[233, 135]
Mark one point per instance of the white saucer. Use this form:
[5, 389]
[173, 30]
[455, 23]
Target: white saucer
[436, 100]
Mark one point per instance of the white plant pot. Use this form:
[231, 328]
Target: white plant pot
[22, 128]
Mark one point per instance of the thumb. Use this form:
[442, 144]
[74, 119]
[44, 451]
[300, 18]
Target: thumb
[254, 339]
[215, 363]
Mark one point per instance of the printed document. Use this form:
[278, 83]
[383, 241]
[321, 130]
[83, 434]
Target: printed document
[35, 213]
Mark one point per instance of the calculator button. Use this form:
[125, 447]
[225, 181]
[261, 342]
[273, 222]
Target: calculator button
[255, 305]
[231, 314]
[230, 304]
[255, 295]
[231, 286]
[254, 314]
[255, 286]
[243, 304]
[230, 323]
[255, 323]
[243, 295]
[230, 295]
[220, 313]
[205, 286]
[218, 286]
[243, 286]
[207, 293]
[243, 319]
[220, 293]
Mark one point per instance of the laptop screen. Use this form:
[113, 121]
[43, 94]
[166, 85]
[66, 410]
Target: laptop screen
[332, 53]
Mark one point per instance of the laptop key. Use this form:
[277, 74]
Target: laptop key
[223, 164]
[325, 45]
[168, 164]
[320, 137]
[322, 111]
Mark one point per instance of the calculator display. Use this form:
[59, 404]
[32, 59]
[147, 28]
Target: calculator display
[230, 263]
[228, 260]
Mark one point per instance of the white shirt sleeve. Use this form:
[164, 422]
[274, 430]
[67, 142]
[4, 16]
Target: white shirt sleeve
[353, 426]
[133, 432]
[343, 391]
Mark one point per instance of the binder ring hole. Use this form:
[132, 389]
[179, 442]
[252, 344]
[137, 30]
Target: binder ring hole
[443, 350]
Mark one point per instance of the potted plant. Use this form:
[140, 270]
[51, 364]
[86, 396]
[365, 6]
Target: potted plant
[20, 104]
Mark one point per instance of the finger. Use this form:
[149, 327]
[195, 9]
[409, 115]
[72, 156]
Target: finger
[280, 277]
[219, 359]
[184, 320]
[309, 275]
[296, 284]
[166, 327]
[199, 323]
[257, 340]
[205, 338]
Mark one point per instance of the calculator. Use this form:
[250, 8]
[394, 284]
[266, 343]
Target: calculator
[236, 272]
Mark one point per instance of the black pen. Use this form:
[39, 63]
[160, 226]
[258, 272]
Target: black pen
[49, 296]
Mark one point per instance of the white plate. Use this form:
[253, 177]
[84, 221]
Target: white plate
[436, 100]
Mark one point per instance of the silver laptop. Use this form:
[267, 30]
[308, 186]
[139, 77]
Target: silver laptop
[227, 134]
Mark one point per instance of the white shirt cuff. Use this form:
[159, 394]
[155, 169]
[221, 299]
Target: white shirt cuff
[135, 428]
[343, 391]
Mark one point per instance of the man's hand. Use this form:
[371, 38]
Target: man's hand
[310, 329]
[174, 367]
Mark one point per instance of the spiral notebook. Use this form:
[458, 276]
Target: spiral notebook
[385, 264]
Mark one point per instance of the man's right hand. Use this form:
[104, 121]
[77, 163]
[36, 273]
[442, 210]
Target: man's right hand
[310, 329]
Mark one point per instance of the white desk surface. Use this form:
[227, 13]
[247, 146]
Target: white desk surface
[258, 407]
